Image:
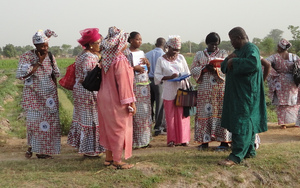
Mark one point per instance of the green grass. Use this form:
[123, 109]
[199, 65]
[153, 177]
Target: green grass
[275, 166]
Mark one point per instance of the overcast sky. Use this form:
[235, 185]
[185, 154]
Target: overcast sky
[191, 19]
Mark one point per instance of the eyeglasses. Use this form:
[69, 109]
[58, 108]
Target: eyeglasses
[97, 43]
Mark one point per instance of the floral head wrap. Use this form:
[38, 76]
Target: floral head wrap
[174, 42]
[43, 36]
[89, 35]
[284, 44]
[111, 45]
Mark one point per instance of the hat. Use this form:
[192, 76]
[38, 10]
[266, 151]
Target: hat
[174, 41]
[43, 36]
[284, 44]
[89, 35]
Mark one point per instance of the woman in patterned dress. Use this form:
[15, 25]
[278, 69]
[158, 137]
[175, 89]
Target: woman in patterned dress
[84, 131]
[211, 85]
[40, 99]
[168, 67]
[283, 91]
[142, 119]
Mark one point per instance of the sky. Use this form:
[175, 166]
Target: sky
[190, 19]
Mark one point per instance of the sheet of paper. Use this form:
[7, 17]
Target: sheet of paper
[136, 56]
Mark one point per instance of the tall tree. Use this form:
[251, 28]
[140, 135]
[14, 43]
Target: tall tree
[9, 51]
[275, 34]
[56, 50]
[296, 39]
[77, 50]
[65, 48]
[268, 45]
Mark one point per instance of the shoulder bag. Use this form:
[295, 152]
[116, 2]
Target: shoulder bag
[92, 80]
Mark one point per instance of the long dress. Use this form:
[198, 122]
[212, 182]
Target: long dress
[40, 101]
[84, 131]
[283, 92]
[210, 95]
[116, 92]
[178, 126]
[244, 108]
[142, 121]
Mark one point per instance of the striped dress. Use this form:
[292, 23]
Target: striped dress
[84, 131]
[210, 95]
[40, 101]
[142, 121]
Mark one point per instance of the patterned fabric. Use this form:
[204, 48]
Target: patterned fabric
[40, 102]
[174, 42]
[113, 43]
[287, 114]
[142, 121]
[84, 131]
[284, 44]
[210, 95]
[89, 35]
[43, 36]
[282, 89]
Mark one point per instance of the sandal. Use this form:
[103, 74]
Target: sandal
[44, 156]
[122, 166]
[222, 148]
[28, 153]
[108, 163]
[171, 144]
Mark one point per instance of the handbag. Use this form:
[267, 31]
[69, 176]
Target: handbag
[92, 80]
[186, 97]
[68, 81]
[52, 64]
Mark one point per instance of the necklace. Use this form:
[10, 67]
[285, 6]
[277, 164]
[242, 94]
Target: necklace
[171, 58]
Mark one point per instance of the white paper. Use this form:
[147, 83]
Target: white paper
[136, 57]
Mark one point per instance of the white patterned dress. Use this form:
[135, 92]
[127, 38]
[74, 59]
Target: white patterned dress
[283, 92]
[40, 101]
[84, 131]
[210, 95]
[142, 121]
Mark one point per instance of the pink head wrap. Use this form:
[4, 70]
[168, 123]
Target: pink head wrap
[89, 35]
[113, 43]
[174, 42]
[284, 44]
[43, 36]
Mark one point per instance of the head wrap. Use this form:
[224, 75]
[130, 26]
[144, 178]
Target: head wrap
[111, 45]
[43, 36]
[89, 35]
[284, 44]
[174, 41]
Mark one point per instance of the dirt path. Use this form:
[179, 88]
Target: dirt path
[14, 148]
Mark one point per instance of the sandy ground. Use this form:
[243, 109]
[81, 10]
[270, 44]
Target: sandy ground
[14, 149]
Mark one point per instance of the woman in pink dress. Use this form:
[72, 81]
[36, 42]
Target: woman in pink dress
[170, 66]
[40, 101]
[116, 100]
[283, 91]
[84, 131]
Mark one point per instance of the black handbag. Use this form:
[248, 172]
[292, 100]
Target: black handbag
[296, 73]
[92, 80]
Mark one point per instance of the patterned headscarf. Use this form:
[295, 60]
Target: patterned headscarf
[284, 44]
[89, 35]
[113, 43]
[174, 41]
[43, 36]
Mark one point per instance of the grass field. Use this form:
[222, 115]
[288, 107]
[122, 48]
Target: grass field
[277, 163]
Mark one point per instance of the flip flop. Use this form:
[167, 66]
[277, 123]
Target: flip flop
[122, 166]
[108, 163]
[28, 153]
[44, 156]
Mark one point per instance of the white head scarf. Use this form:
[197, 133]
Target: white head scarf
[42, 36]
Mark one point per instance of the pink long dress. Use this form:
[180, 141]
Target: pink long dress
[116, 91]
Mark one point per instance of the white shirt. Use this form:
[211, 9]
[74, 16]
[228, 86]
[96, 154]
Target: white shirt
[167, 68]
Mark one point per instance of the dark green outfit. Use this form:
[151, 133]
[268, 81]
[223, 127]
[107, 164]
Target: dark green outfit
[244, 108]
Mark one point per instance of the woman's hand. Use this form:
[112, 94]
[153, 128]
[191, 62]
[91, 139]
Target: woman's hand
[41, 57]
[139, 68]
[229, 64]
[145, 61]
[210, 68]
[233, 55]
[132, 108]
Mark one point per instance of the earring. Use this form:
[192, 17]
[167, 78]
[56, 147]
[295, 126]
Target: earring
[91, 47]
